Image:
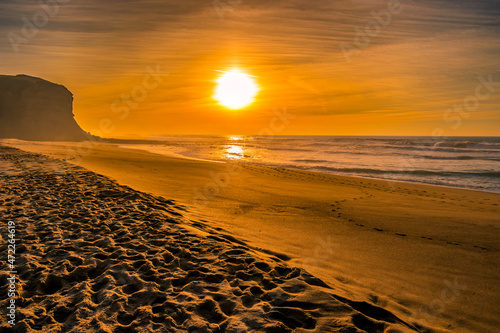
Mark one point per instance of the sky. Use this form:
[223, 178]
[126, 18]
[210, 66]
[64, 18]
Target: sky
[336, 67]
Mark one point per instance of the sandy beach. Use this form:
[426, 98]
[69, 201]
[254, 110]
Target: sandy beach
[234, 166]
[133, 241]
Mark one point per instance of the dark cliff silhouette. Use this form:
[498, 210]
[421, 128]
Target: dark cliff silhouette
[35, 109]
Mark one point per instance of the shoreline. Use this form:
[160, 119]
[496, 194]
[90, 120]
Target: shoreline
[140, 268]
[178, 155]
[175, 155]
[67, 144]
[365, 241]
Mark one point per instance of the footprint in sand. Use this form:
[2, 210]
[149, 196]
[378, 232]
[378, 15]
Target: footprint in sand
[121, 254]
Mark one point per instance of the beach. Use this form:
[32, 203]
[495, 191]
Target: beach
[350, 254]
[236, 166]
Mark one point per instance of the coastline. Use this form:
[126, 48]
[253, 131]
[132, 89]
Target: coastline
[96, 256]
[366, 240]
[467, 163]
[178, 155]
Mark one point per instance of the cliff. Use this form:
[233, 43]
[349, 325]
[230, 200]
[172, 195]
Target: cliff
[34, 109]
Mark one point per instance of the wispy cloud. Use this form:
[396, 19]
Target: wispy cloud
[427, 58]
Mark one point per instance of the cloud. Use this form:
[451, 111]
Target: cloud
[427, 56]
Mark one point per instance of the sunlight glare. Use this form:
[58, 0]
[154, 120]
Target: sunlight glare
[235, 89]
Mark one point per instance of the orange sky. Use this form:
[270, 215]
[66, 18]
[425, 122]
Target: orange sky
[403, 79]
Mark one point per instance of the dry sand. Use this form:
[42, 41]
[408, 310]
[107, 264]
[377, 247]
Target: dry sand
[426, 254]
[95, 256]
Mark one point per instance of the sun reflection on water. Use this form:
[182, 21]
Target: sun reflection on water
[237, 148]
[234, 152]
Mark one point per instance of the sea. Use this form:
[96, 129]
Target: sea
[462, 162]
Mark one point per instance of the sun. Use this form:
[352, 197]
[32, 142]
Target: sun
[235, 89]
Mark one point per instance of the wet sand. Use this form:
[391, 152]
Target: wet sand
[428, 255]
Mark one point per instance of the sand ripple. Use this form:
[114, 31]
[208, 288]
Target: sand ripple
[95, 256]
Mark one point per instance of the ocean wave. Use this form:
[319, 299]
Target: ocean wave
[419, 154]
[459, 157]
[490, 174]
[464, 157]
[312, 161]
[467, 162]
[288, 149]
[468, 144]
[460, 148]
[451, 146]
